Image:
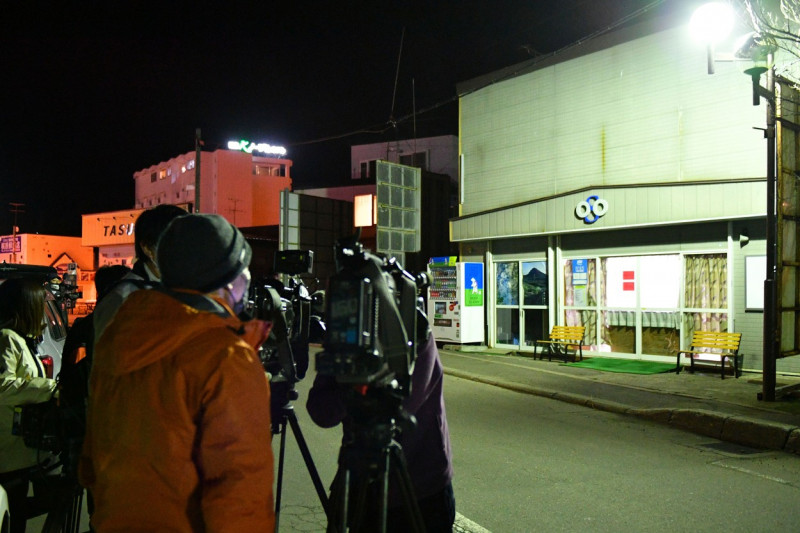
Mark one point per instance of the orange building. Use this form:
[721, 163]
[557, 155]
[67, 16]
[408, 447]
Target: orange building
[234, 183]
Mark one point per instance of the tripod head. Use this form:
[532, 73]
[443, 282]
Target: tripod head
[376, 418]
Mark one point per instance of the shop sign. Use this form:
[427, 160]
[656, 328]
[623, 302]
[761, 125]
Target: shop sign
[443, 261]
[591, 209]
[118, 229]
[10, 244]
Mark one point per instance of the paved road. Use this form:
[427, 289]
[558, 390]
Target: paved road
[525, 463]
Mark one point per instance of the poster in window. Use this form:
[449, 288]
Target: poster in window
[580, 271]
[507, 283]
[534, 283]
[755, 272]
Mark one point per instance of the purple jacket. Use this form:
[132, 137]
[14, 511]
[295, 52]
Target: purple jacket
[427, 447]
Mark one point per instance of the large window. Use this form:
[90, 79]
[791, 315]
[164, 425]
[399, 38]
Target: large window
[645, 304]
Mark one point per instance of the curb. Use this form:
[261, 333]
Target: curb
[742, 430]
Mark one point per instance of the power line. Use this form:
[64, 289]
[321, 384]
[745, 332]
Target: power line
[382, 128]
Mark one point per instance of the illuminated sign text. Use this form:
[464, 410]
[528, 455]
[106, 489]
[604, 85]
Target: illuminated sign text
[250, 147]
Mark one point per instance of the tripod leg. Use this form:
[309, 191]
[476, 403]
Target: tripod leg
[279, 484]
[383, 503]
[340, 497]
[406, 488]
[312, 470]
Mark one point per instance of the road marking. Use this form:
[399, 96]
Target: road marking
[754, 473]
[464, 524]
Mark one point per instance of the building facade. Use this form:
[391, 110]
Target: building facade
[620, 187]
[436, 199]
[432, 154]
[242, 187]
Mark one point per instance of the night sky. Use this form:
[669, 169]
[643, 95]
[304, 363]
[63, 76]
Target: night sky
[93, 94]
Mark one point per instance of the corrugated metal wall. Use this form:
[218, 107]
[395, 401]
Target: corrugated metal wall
[644, 111]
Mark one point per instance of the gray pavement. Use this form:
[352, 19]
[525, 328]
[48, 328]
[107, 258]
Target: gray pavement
[702, 403]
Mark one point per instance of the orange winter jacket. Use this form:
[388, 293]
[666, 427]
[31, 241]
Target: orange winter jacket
[178, 428]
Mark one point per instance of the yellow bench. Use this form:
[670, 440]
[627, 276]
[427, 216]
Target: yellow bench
[720, 344]
[562, 341]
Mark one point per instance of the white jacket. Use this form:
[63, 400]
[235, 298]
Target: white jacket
[22, 381]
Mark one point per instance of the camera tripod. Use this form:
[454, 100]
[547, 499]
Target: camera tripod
[283, 416]
[65, 515]
[369, 460]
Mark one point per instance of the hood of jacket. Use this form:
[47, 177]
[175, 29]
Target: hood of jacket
[152, 325]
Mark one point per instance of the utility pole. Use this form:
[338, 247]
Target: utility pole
[198, 143]
[770, 342]
[16, 208]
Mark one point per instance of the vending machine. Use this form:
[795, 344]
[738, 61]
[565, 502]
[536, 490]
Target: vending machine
[455, 300]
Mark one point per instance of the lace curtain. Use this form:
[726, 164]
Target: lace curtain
[706, 287]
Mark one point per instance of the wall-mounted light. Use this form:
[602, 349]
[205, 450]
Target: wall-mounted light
[744, 238]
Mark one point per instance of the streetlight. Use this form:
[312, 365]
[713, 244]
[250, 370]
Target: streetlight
[760, 52]
[712, 23]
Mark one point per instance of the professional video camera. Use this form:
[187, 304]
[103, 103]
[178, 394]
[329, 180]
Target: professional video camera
[375, 315]
[295, 314]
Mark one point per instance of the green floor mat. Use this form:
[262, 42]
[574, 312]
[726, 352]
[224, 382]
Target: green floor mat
[627, 366]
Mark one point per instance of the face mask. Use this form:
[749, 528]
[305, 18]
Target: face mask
[239, 289]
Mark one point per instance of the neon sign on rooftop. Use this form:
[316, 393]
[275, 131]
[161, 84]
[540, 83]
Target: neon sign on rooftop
[250, 147]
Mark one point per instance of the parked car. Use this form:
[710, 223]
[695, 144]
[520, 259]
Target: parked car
[52, 342]
[5, 514]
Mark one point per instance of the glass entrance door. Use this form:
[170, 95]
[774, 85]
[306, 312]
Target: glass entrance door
[521, 316]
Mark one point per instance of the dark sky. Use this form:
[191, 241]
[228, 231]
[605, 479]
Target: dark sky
[94, 91]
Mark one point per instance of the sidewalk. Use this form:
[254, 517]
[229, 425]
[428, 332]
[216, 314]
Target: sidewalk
[702, 403]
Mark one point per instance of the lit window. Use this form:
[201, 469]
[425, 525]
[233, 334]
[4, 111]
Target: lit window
[364, 210]
[162, 174]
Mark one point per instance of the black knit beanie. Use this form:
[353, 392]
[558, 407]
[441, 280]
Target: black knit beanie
[201, 252]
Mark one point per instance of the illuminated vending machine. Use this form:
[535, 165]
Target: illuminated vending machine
[455, 300]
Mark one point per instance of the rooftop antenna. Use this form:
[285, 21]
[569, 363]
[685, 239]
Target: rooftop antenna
[392, 121]
[414, 114]
[16, 208]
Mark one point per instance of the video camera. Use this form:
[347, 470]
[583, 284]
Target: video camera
[295, 313]
[376, 319]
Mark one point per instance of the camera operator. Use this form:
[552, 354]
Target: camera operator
[147, 230]
[22, 381]
[76, 364]
[426, 447]
[178, 427]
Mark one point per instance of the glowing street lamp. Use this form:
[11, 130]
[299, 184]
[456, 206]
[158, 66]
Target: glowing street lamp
[710, 24]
